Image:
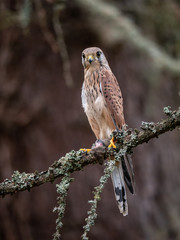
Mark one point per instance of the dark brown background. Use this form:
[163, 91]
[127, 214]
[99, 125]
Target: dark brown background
[41, 119]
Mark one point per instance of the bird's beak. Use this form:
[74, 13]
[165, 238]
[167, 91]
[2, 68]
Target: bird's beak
[90, 58]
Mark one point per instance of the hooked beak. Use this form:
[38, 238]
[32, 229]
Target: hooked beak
[90, 59]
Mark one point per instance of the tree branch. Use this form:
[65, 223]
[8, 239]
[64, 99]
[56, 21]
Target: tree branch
[73, 161]
[62, 45]
[111, 24]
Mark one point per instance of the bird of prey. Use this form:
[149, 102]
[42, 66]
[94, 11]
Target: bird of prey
[103, 104]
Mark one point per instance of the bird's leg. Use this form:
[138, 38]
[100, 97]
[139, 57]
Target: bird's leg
[112, 143]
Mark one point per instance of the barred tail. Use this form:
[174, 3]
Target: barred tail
[123, 173]
[119, 189]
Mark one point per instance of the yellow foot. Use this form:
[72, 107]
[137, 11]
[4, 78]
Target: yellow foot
[112, 143]
[85, 150]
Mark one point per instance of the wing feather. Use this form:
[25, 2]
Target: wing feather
[113, 97]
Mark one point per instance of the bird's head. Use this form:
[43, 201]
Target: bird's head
[93, 57]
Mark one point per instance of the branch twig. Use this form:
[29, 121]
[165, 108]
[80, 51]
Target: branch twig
[92, 215]
[57, 41]
[62, 46]
[62, 189]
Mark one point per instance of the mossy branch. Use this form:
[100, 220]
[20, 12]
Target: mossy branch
[62, 189]
[76, 160]
[92, 215]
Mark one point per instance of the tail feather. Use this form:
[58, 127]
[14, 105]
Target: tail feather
[128, 179]
[119, 189]
[123, 173]
[130, 165]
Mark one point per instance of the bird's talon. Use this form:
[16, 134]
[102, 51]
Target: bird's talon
[85, 149]
[112, 145]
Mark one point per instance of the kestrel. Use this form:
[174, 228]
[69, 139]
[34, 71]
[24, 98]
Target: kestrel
[103, 104]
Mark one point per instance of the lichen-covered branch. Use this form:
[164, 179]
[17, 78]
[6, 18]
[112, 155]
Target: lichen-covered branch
[73, 161]
[149, 130]
[111, 24]
[110, 165]
[62, 189]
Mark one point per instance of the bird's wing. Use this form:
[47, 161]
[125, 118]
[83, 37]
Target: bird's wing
[113, 97]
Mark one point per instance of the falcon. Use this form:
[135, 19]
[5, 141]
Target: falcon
[103, 104]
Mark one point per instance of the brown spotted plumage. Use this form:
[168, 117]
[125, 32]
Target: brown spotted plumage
[103, 104]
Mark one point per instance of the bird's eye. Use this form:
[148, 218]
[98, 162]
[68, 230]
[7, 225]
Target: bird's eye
[98, 53]
[83, 55]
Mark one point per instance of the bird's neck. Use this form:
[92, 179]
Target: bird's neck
[91, 69]
[95, 67]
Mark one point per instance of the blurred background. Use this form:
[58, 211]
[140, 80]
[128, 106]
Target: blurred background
[41, 117]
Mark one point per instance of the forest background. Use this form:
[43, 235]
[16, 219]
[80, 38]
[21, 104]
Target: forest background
[41, 117]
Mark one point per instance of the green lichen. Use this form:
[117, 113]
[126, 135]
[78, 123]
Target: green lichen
[120, 135]
[69, 163]
[92, 215]
[22, 180]
[62, 189]
[167, 110]
[174, 115]
[148, 126]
